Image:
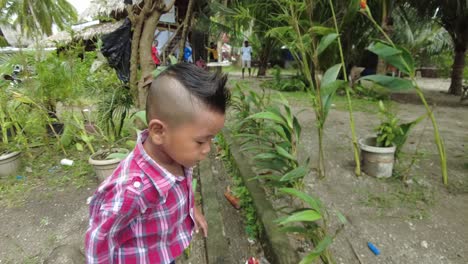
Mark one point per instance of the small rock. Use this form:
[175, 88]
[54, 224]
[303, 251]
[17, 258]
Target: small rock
[424, 244]
[28, 169]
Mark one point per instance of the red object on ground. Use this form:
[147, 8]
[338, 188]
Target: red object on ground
[252, 260]
[232, 199]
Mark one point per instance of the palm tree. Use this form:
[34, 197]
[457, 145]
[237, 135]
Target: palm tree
[453, 16]
[36, 18]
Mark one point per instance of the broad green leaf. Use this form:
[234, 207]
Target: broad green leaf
[330, 88]
[302, 216]
[266, 156]
[391, 83]
[325, 42]
[116, 156]
[194, 184]
[331, 74]
[398, 57]
[327, 92]
[79, 147]
[280, 131]
[309, 200]
[320, 30]
[297, 130]
[341, 217]
[269, 116]
[319, 248]
[296, 173]
[281, 151]
[289, 116]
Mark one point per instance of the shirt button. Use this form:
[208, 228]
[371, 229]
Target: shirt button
[137, 184]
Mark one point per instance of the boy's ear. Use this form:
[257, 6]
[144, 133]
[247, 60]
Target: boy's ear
[157, 131]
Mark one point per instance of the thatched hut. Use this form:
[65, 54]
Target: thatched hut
[88, 33]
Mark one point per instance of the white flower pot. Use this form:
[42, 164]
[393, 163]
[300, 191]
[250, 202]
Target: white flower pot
[376, 161]
[9, 163]
[104, 168]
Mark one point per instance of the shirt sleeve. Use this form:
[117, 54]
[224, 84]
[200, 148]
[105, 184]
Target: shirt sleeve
[110, 228]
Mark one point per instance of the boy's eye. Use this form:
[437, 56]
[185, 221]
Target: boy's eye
[200, 142]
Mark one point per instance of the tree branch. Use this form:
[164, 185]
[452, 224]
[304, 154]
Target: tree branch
[168, 7]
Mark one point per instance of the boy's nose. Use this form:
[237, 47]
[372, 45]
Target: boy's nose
[206, 149]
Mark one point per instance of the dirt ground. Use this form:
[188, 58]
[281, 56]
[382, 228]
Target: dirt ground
[417, 221]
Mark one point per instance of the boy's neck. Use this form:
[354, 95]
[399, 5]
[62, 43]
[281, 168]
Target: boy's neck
[160, 156]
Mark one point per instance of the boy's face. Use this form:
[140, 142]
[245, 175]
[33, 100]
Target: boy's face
[190, 142]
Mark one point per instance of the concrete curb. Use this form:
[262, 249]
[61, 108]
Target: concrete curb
[274, 242]
[217, 247]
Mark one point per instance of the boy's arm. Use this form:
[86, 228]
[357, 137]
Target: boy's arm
[200, 221]
[106, 231]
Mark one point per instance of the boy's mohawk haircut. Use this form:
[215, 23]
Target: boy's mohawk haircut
[209, 88]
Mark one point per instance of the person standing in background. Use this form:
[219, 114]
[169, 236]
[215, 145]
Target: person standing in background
[154, 53]
[246, 53]
[212, 52]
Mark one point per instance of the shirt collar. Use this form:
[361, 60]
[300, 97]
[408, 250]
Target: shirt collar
[161, 178]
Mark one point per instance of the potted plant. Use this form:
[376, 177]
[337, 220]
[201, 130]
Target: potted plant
[378, 152]
[105, 156]
[12, 136]
[54, 83]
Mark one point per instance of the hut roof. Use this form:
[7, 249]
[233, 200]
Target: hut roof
[105, 7]
[84, 33]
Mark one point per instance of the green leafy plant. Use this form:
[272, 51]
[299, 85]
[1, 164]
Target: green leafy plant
[306, 41]
[276, 150]
[11, 125]
[391, 131]
[311, 221]
[400, 58]
[113, 110]
[239, 189]
[295, 83]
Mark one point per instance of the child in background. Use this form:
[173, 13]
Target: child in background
[144, 212]
[154, 53]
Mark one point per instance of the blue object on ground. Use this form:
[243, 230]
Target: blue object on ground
[373, 248]
[19, 177]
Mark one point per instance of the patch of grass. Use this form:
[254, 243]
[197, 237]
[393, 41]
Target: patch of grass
[252, 226]
[340, 102]
[411, 201]
[43, 169]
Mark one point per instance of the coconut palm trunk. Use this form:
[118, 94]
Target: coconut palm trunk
[457, 70]
[264, 56]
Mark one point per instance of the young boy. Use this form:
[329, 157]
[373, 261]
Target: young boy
[144, 212]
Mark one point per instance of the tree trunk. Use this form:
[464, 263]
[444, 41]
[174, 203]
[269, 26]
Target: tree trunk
[137, 27]
[185, 30]
[457, 71]
[264, 56]
[146, 61]
[145, 22]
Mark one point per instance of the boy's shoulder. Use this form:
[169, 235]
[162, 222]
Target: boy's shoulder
[127, 188]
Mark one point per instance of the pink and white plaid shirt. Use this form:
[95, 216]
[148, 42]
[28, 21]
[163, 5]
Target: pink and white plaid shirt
[141, 213]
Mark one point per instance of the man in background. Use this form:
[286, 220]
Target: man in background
[246, 53]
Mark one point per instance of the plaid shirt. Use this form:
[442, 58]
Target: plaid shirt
[141, 213]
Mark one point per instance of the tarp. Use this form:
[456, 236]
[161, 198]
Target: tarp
[117, 48]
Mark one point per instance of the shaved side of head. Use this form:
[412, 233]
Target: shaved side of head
[170, 102]
[182, 90]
